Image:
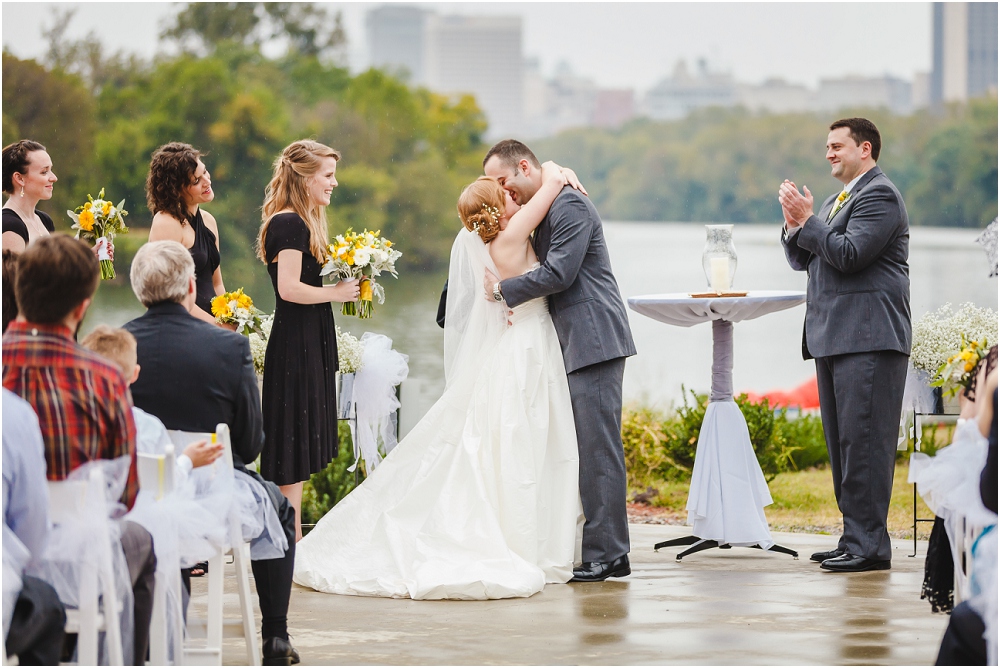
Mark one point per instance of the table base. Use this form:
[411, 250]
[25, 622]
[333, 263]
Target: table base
[700, 544]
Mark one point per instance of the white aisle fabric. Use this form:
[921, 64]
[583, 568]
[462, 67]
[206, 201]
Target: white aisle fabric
[728, 491]
[480, 500]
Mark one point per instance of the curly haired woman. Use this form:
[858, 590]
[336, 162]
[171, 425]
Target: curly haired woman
[177, 185]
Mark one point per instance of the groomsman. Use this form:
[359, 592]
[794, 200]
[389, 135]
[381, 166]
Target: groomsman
[857, 328]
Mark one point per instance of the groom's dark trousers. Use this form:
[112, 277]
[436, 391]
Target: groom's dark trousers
[857, 328]
[590, 320]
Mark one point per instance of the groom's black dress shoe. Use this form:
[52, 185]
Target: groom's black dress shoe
[599, 571]
[849, 563]
[830, 554]
[279, 652]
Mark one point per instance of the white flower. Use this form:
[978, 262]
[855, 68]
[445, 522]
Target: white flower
[938, 335]
[362, 256]
[349, 352]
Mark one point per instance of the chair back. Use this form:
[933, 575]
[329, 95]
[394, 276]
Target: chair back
[69, 500]
[182, 439]
[156, 472]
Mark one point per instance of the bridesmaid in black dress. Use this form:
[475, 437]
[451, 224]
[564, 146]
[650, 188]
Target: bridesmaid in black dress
[177, 185]
[299, 389]
[27, 179]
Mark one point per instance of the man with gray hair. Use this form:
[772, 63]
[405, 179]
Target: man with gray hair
[194, 376]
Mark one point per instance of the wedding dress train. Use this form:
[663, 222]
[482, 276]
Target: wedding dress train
[480, 500]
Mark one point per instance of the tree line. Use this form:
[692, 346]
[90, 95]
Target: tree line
[407, 152]
[725, 165]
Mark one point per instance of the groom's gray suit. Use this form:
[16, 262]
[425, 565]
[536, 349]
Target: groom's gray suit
[592, 326]
[858, 329]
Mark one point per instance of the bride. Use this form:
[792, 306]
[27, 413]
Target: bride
[481, 499]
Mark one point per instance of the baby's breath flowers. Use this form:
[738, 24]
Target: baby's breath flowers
[946, 342]
[363, 255]
[349, 352]
[99, 220]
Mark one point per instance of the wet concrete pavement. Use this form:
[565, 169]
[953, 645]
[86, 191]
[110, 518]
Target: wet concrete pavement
[738, 606]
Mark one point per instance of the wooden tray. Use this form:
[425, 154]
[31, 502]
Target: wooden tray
[716, 295]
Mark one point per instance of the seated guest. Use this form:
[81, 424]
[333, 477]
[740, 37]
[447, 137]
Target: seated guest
[194, 376]
[36, 628]
[81, 399]
[965, 640]
[9, 276]
[118, 346]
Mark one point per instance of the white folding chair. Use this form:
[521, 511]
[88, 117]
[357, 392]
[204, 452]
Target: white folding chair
[69, 502]
[156, 477]
[214, 627]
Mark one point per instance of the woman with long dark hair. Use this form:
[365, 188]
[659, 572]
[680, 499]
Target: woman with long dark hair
[299, 389]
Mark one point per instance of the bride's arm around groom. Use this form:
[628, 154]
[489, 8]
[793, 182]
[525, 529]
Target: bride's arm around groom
[592, 325]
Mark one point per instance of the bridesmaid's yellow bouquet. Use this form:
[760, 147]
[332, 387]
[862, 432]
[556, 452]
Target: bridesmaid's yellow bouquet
[364, 255]
[99, 220]
[236, 308]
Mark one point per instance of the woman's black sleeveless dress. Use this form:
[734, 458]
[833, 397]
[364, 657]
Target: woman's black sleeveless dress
[299, 389]
[206, 260]
[12, 223]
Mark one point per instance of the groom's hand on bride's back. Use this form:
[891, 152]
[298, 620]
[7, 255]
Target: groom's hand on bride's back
[489, 280]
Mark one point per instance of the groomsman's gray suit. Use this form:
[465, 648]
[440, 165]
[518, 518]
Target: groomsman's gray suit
[590, 321]
[858, 329]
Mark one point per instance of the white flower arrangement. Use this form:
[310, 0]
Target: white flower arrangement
[258, 343]
[361, 254]
[349, 352]
[938, 335]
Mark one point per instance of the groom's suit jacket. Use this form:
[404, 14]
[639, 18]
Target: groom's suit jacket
[575, 274]
[858, 294]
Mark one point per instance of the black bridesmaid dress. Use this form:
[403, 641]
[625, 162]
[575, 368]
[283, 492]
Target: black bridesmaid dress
[206, 258]
[299, 388]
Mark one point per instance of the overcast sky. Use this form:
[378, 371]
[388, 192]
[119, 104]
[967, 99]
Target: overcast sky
[615, 44]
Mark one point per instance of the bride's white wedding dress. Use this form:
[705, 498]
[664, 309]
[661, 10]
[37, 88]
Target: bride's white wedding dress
[481, 499]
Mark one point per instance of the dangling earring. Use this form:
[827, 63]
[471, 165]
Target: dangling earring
[22, 191]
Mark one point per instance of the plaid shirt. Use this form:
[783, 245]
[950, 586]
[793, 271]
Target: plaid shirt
[83, 405]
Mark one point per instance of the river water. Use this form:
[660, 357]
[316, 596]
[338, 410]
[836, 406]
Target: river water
[946, 266]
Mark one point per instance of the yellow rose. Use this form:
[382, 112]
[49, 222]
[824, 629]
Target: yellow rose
[244, 301]
[969, 366]
[107, 208]
[86, 220]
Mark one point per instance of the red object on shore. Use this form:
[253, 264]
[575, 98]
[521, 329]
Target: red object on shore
[805, 396]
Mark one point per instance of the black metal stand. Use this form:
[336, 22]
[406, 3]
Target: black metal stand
[942, 417]
[701, 544]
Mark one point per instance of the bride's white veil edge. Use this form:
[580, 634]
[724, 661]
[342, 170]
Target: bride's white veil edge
[472, 325]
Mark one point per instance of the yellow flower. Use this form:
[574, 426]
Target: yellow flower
[350, 258]
[969, 366]
[107, 208]
[244, 301]
[974, 345]
[220, 307]
[388, 244]
[88, 206]
[86, 220]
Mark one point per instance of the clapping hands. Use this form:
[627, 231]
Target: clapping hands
[795, 206]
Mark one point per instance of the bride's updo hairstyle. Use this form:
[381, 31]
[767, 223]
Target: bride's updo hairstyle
[287, 190]
[480, 207]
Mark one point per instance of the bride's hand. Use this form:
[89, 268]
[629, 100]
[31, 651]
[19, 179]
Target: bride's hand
[573, 180]
[552, 172]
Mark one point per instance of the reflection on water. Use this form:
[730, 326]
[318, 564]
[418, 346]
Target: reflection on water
[603, 610]
[866, 634]
[649, 258]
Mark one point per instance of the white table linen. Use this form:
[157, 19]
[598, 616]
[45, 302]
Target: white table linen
[728, 491]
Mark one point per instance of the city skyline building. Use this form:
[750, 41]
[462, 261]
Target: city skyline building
[964, 51]
[396, 41]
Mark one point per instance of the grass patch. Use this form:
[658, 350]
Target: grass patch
[804, 503]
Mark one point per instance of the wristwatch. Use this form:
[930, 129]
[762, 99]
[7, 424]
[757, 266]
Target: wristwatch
[497, 295]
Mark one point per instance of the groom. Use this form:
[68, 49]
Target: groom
[590, 320]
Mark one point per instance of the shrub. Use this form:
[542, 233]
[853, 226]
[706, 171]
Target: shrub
[661, 447]
[325, 489]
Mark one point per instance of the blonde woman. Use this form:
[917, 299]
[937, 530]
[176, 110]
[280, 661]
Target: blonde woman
[481, 499]
[299, 391]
